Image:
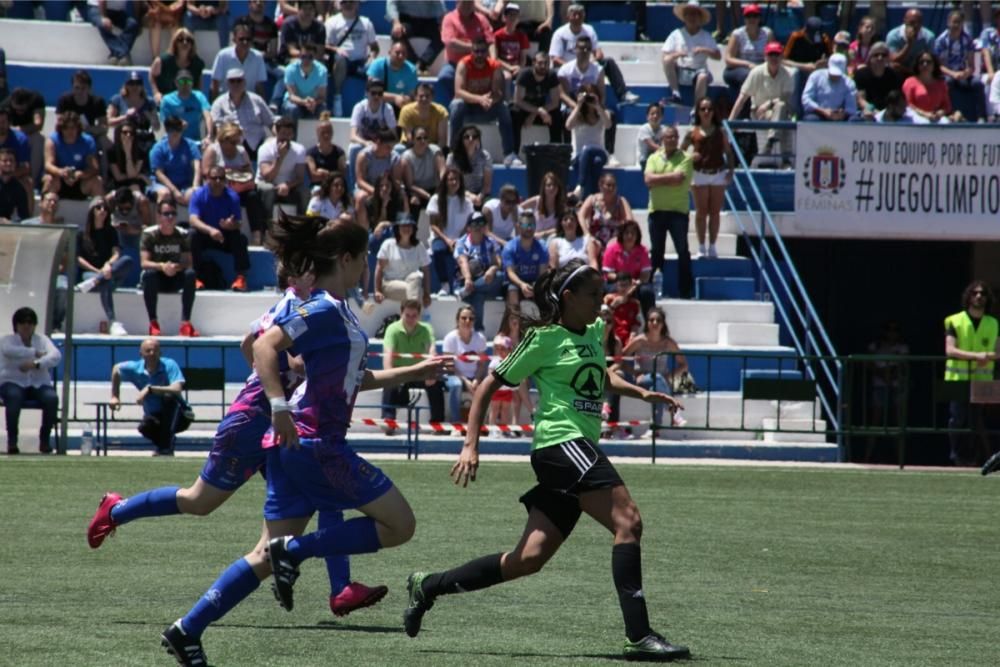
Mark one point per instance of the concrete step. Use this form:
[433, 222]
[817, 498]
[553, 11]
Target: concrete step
[724, 289]
[748, 333]
[774, 430]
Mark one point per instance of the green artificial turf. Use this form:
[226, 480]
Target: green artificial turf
[747, 566]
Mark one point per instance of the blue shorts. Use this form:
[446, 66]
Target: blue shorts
[319, 477]
[236, 454]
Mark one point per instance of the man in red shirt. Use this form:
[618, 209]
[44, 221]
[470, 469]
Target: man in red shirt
[510, 44]
[459, 28]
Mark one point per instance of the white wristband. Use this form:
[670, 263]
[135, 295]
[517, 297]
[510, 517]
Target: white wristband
[278, 405]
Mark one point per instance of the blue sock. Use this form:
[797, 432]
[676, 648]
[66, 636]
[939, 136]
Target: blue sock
[156, 502]
[357, 536]
[232, 587]
[338, 567]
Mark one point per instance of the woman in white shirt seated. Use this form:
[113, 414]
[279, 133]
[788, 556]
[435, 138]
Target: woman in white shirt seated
[403, 268]
[332, 200]
[464, 339]
[569, 243]
[26, 361]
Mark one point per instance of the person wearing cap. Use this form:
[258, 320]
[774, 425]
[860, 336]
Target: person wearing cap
[408, 335]
[745, 48]
[190, 105]
[686, 52]
[909, 41]
[875, 80]
[246, 109]
[829, 94]
[524, 260]
[176, 162]
[132, 102]
[770, 90]
[368, 117]
[806, 51]
[305, 85]
[281, 169]
[956, 50]
[510, 44]
[479, 261]
[239, 56]
[118, 28]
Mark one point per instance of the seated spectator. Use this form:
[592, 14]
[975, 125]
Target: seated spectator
[510, 44]
[578, 73]
[190, 105]
[332, 200]
[502, 214]
[372, 163]
[475, 163]
[100, 262]
[926, 92]
[130, 214]
[745, 48]
[449, 211]
[807, 50]
[398, 75]
[129, 165]
[300, 28]
[350, 41]
[770, 89]
[524, 260]
[829, 94]
[625, 308]
[162, 15]
[305, 85]
[17, 142]
[215, 225]
[537, 101]
[250, 63]
[570, 241]
[207, 15]
[402, 271]
[536, 21]
[131, 102]
[165, 258]
[386, 205]
[565, 45]
[909, 41]
[875, 80]
[181, 55]
[897, 111]
[587, 122]
[479, 97]
[650, 134]
[956, 51]
[118, 28]
[409, 335]
[247, 110]
[479, 262]
[368, 117]
[26, 113]
[48, 211]
[228, 152]
[625, 254]
[989, 43]
[464, 339]
[501, 407]
[994, 99]
[859, 50]
[26, 362]
[176, 162]
[602, 214]
[611, 409]
[460, 28]
[686, 52]
[160, 383]
[657, 373]
[510, 328]
[422, 19]
[549, 205]
[281, 169]
[423, 112]
[71, 167]
[4, 88]
[264, 38]
[13, 197]
[325, 157]
[421, 167]
[91, 108]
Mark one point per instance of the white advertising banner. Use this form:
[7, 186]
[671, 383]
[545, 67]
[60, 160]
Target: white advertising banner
[866, 180]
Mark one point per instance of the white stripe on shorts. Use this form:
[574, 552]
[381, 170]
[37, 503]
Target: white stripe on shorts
[572, 450]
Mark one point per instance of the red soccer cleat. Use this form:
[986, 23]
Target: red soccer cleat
[154, 328]
[102, 524]
[239, 285]
[356, 596]
[187, 329]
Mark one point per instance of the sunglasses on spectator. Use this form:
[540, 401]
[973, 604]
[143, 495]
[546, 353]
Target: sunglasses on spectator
[480, 52]
[243, 40]
[422, 137]
[185, 81]
[307, 56]
[509, 201]
[233, 82]
[168, 214]
[185, 40]
[978, 292]
[470, 137]
[878, 56]
[100, 207]
[704, 109]
[127, 133]
[654, 319]
[216, 178]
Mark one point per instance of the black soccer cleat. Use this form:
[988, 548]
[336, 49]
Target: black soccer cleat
[992, 464]
[655, 648]
[419, 603]
[284, 571]
[186, 649]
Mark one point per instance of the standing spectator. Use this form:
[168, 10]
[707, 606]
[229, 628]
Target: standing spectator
[569, 242]
[467, 341]
[587, 122]
[91, 108]
[686, 52]
[160, 383]
[807, 50]
[247, 110]
[332, 200]
[26, 113]
[829, 93]
[421, 166]
[99, 259]
[240, 56]
[402, 271]
[71, 167]
[176, 162]
[502, 214]
[745, 49]
[325, 157]
[182, 55]
[510, 45]
[118, 28]
[215, 225]
[13, 197]
[565, 42]
[398, 75]
[668, 176]
[190, 105]
[418, 18]
[970, 343]
[305, 85]
[165, 258]
[424, 112]
[264, 38]
[770, 90]
[368, 117]
[650, 134]
[537, 101]
[409, 335]
[479, 97]
[479, 262]
[859, 50]
[460, 28]
[373, 163]
[350, 39]
[281, 169]
[449, 211]
[208, 15]
[909, 41]
[475, 163]
[301, 29]
[956, 51]
[17, 142]
[26, 362]
[875, 80]
[162, 15]
[549, 205]
[927, 93]
[131, 102]
[625, 254]
[713, 163]
[524, 260]
[989, 42]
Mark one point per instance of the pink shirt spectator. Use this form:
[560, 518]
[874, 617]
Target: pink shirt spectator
[619, 260]
[927, 98]
[454, 27]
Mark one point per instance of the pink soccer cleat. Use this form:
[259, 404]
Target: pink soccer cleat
[102, 524]
[356, 596]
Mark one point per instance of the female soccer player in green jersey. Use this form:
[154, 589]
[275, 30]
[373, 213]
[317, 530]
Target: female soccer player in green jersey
[565, 355]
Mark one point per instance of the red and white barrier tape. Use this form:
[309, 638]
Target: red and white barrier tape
[504, 428]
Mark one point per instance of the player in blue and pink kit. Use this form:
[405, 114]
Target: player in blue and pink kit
[310, 466]
[235, 457]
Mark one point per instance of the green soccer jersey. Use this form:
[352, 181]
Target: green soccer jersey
[570, 372]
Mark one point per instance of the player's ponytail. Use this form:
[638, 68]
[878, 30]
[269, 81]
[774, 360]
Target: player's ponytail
[312, 244]
[548, 292]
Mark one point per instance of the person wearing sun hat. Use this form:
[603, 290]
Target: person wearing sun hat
[745, 48]
[829, 94]
[686, 52]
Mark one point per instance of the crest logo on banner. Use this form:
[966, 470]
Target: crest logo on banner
[825, 173]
